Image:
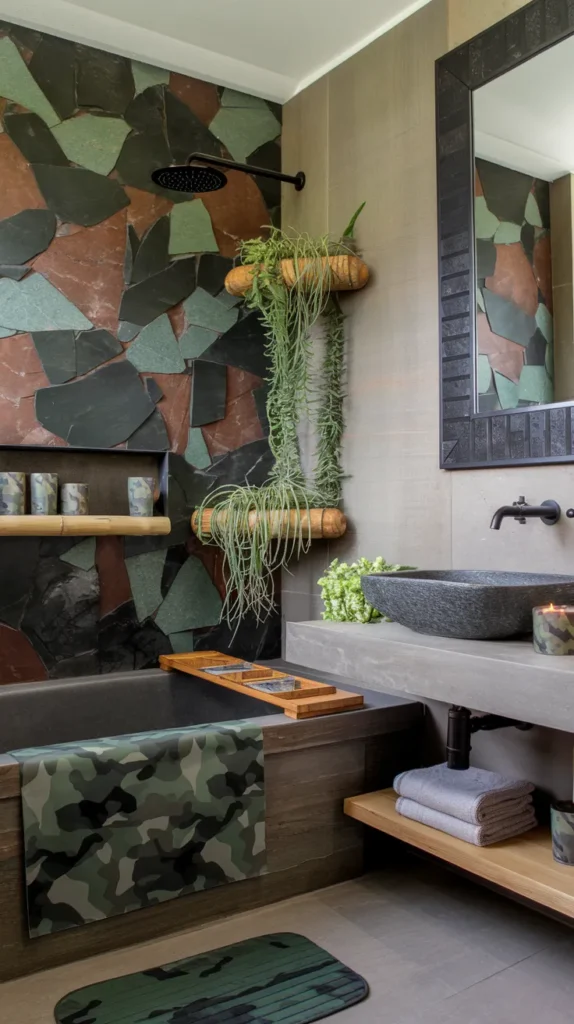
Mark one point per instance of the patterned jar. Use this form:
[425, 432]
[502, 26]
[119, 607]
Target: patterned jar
[140, 495]
[44, 494]
[12, 494]
[74, 500]
[553, 629]
[562, 827]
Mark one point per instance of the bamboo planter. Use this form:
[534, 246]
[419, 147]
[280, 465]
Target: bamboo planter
[316, 524]
[347, 274]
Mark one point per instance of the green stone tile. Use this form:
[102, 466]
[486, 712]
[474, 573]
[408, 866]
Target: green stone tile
[228, 300]
[6, 332]
[232, 98]
[35, 305]
[93, 142]
[127, 331]
[480, 300]
[507, 233]
[544, 322]
[82, 555]
[196, 452]
[485, 223]
[155, 349]
[484, 374]
[145, 573]
[192, 602]
[195, 341]
[146, 75]
[242, 129]
[532, 213]
[182, 643]
[535, 385]
[507, 391]
[203, 310]
[17, 84]
[191, 229]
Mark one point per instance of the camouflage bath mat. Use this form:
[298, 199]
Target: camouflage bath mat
[125, 822]
[273, 979]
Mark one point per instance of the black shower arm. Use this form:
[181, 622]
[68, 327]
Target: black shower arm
[298, 180]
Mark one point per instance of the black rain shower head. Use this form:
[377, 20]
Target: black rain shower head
[193, 176]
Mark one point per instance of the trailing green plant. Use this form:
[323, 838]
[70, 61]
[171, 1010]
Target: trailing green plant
[342, 593]
[248, 522]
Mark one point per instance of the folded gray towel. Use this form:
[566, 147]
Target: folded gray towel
[478, 835]
[473, 795]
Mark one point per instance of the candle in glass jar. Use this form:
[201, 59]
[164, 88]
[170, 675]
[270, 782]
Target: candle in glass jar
[553, 629]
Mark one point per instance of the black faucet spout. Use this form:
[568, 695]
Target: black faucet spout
[548, 512]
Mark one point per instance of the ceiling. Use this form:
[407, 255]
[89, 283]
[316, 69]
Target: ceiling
[272, 49]
[525, 118]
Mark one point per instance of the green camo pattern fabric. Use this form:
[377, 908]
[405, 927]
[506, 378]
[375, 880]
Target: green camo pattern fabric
[125, 822]
[273, 979]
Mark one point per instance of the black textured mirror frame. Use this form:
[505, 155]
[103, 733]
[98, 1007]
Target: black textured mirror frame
[522, 436]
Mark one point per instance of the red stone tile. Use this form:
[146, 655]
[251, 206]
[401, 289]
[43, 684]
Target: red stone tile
[19, 189]
[477, 184]
[240, 381]
[177, 319]
[201, 97]
[19, 662]
[114, 580]
[21, 372]
[174, 407]
[505, 356]
[241, 425]
[18, 424]
[543, 268]
[513, 277]
[145, 208]
[88, 268]
[237, 211]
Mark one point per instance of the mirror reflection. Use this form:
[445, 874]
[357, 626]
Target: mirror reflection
[524, 233]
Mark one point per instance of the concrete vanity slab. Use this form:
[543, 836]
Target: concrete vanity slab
[501, 677]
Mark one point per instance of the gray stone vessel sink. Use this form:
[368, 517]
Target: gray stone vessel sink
[465, 603]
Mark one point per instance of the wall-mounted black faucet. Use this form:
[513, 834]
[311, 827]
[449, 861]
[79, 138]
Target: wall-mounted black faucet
[548, 512]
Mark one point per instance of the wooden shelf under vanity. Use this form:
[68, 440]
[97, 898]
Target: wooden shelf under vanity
[83, 526]
[523, 865]
[309, 700]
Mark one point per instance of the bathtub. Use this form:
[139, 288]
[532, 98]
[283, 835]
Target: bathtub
[310, 766]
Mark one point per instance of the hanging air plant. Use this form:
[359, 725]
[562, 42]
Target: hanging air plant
[291, 281]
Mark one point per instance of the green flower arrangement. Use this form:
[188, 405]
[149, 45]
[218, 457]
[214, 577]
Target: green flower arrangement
[342, 593]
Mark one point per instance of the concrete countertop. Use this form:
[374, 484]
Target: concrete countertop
[501, 677]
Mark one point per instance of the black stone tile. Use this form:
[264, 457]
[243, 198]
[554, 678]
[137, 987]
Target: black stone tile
[527, 238]
[151, 436]
[149, 644]
[208, 392]
[269, 157]
[505, 191]
[147, 300]
[34, 139]
[535, 354]
[28, 38]
[125, 644]
[542, 196]
[57, 353]
[249, 464]
[153, 389]
[15, 273]
[62, 613]
[25, 235]
[213, 269]
[54, 68]
[174, 560]
[98, 411]
[132, 246]
[18, 565]
[507, 319]
[260, 398]
[252, 640]
[140, 156]
[94, 348]
[488, 402]
[153, 255]
[185, 132]
[146, 112]
[243, 345]
[485, 258]
[79, 196]
[85, 664]
[104, 80]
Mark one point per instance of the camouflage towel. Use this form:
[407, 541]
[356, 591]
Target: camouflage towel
[125, 822]
[273, 979]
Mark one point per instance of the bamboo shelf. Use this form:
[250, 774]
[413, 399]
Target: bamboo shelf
[523, 865]
[310, 701]
[83, 526]
[348, 274]
[316, 524]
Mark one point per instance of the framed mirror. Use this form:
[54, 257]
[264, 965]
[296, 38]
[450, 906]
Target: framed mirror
[505, 155]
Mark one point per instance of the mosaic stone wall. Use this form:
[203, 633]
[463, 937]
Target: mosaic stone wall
[115, 332]
[514, 288]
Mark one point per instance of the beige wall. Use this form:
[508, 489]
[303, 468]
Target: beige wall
[366, 132]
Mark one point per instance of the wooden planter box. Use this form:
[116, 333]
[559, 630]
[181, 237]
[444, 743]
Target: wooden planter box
[316, 524]
[347, 274]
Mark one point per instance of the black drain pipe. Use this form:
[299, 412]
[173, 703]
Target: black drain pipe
[461, 725]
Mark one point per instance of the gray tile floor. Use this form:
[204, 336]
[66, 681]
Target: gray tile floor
[435, 949]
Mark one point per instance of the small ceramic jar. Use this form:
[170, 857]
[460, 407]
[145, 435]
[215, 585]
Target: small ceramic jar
[12, 494]
[74, 500]
[562, 827]
[140, 495]
[43, 494]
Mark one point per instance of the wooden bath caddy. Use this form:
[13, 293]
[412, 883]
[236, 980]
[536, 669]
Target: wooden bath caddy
[304, 698]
